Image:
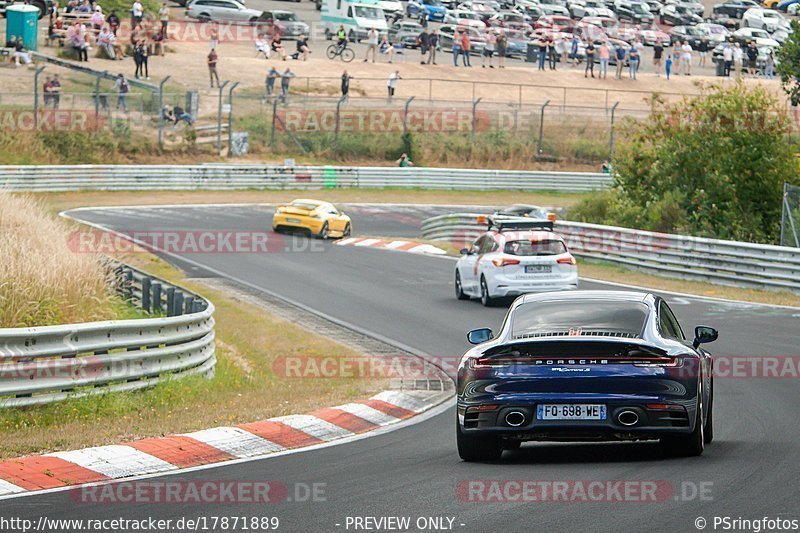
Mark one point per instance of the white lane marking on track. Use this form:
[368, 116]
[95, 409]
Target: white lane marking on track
[395, 244]
[367, 413]
[314, 426]
[406, 401]
[345, 242]
[9, 488]
[235, 441]
[115, 460]
[368, 242]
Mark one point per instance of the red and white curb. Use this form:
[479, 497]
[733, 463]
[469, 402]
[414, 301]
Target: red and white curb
[398, 245]
[216, 445]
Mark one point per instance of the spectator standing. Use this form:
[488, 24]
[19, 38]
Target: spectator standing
[738, 56]
[727, 58]
[590, 51]
[456, 47]
[272, 75]
[488, 48]
[605, 54]
[391, 83]
[619, 55]
[140, 58]
[466, 47]
[97, 20]
[46, 98]
[561, 49]
[372, 44]
[55, 91]
[658, 50]
[433, 44]
[668, 65]
[686, 50]
[769, 65]
[346, 84]
[633, 61]
[122, 88]
[423, 40]
[752, 59]
[211, 61]
[542, 49]
[573, 50]
[136, 13]
[286, 80]
[502, 48]
[551, 53]
[163, 16]
[702, 48]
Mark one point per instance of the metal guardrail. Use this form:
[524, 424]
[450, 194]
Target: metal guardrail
[228, 177]
[733, 263]
[46, 364]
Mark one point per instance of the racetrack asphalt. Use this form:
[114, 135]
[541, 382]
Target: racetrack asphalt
[750, 471]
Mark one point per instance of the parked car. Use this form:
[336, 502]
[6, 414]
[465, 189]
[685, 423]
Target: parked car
[651, 37]
[590, 8]
[405, 32]
[677, 15]
[761, 37]
[532, 10]
[691, 34]
[716, 33]
[733, 8]
[392, 8]
[556, 22]
[716, 55]
[554, 7]
[287, 22]
[462, 17]
[45, 7]
[517, 43]
[231, 10]
[637, 12]
[432, 10]
[764, 19]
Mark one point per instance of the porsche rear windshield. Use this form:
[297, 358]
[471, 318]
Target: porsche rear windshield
[592, 317]
[304, 205]
[545, 247]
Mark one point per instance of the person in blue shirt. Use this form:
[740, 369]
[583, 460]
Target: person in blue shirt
[573, 50]
[619, 54]
[633, 61]
[668, 65]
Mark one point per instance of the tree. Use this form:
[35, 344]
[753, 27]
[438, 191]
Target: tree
[711, 165]
[788, 65]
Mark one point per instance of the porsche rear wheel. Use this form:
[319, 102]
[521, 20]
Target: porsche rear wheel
[323, 231]
[477, 448]
[690, 445]
[346, 232]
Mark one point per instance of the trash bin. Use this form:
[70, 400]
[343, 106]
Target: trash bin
[22, 20]
[720, 67]
[530, 53]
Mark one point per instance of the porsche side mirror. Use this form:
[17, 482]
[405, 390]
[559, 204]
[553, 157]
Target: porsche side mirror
[703, 334]
[480, 335]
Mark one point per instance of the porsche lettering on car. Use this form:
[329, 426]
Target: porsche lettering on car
[320, 219]
[585, 366]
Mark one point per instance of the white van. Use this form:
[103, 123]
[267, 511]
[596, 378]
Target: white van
[357, 17]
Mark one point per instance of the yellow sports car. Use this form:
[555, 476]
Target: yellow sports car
[321, 219]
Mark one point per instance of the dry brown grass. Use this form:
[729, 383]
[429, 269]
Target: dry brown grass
[42, 280]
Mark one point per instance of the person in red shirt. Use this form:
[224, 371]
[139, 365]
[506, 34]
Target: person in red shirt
[465, 48]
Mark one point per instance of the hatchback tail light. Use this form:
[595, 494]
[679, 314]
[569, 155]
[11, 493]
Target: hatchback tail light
[504, 261]
[569, 260]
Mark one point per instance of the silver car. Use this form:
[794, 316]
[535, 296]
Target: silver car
[205, 10]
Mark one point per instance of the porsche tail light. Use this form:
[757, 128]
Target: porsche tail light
[504, 261]
[664, 407]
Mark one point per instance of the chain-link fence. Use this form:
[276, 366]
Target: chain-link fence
[790, 219]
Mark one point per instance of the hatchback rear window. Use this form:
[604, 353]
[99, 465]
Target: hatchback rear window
[544, 247]
[584, 318]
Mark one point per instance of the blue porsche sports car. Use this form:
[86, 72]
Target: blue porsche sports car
[585, 366]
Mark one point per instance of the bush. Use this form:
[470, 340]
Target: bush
[712, 165]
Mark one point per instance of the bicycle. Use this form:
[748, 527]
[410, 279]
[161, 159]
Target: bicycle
[342, 51]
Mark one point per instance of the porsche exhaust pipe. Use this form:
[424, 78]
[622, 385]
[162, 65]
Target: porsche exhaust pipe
[515, 418]
[628, 418]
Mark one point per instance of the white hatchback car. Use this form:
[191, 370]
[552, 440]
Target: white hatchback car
[515, 257]
[206, 10]
[764, 19]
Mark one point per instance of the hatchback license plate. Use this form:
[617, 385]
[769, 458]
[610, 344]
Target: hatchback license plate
[571, 411]
[293, 220]
[538, 269]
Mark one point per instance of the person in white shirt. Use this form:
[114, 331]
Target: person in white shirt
[738, 55]
[163, 16]
[727, 57]
[391, 83]
[488, 48]
[372, 44]
[262, 47]
[686, 51]
[136, 12]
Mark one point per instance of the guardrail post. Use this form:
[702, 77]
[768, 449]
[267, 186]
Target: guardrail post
[156, 299]
[230, 117]
[170, 301]
[36, 97]
[146, 281]
[474, 106]
[611, 136]
[188, 305]
[274, 118]
[219, 117]
[128, 284]
[405, 114]
[97, 81]
[178, 303]
[161, 113]
[541, 127]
